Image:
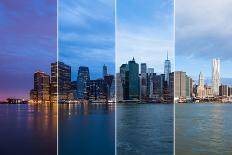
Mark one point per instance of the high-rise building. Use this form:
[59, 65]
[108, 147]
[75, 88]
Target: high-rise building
[208, 91]
[97, 89]
[223, 90]
[104, 70]
[143, 68]
[143, 81]
[109, 83]
[54, 82]
[167, 69]
[41, 91]
[201, 88]
[150, 76]
[133, 79]
[188, 87]
[73, 94]
[119, 88]
[83, 79]
[180, 84]
[150, 70]
[124, 75]
[216, 76]
[64, 81]
[157, 86]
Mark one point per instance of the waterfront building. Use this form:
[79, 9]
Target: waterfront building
[109, 84]
[97, 90]
[54, 82]
[41, 91]
[150, 76]
[229, 91]
[83, 79]
[167, 69]
[223, 90]
[157, 87]
[216, 76]
[188, 87]
[200, 89]
[171, 87]
[133, 80]
[180, 84]
[119, 88]
[208, 91]
[143, 81]
[73, 94]
[64, 81]
[104, 70]
[124, 75]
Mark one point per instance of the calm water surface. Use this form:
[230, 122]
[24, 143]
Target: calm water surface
[203, 129]
[145, 129]
[86, 129]
[28, 129]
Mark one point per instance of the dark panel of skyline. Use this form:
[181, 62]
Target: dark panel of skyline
[28, 43]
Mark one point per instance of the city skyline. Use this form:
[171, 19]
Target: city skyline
[86, 34]
[27, 43]
[144, 32]
[203, 34]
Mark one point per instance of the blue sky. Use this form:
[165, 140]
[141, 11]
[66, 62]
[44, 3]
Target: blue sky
[145, 31]
[27, 44]
[86, 35]
[203, 32]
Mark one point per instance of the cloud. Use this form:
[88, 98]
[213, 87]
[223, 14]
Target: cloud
[80, 13]
[204, 28]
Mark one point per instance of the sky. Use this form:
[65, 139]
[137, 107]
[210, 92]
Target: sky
[203, 32]
[87, 35]
[27, 44]
[145, 32]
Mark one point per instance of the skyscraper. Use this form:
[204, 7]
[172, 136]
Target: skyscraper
[180, 84]
[216, 76]
[124, 75]
[133, 79]
[64, 81]
[83, 79]
[143, 68]
[104, 71]
[109, 83]
[167, 69]
[201, 88]
[201, 80]
[41, 91]
[54, 81]
[143, 81]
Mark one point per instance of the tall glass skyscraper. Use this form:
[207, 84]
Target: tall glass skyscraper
[216, 76]
[143, 81]
[133, 80]
[167, 69]
[104, 70]
[83, 79]
[64, 81]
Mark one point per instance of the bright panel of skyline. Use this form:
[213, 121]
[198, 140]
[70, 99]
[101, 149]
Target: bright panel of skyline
[145, 32]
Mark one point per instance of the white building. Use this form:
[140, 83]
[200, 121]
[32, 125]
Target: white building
[215, 76]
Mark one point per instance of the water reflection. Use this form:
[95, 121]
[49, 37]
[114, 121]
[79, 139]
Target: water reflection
[203, 129]
[86, 129]
[28, 129]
